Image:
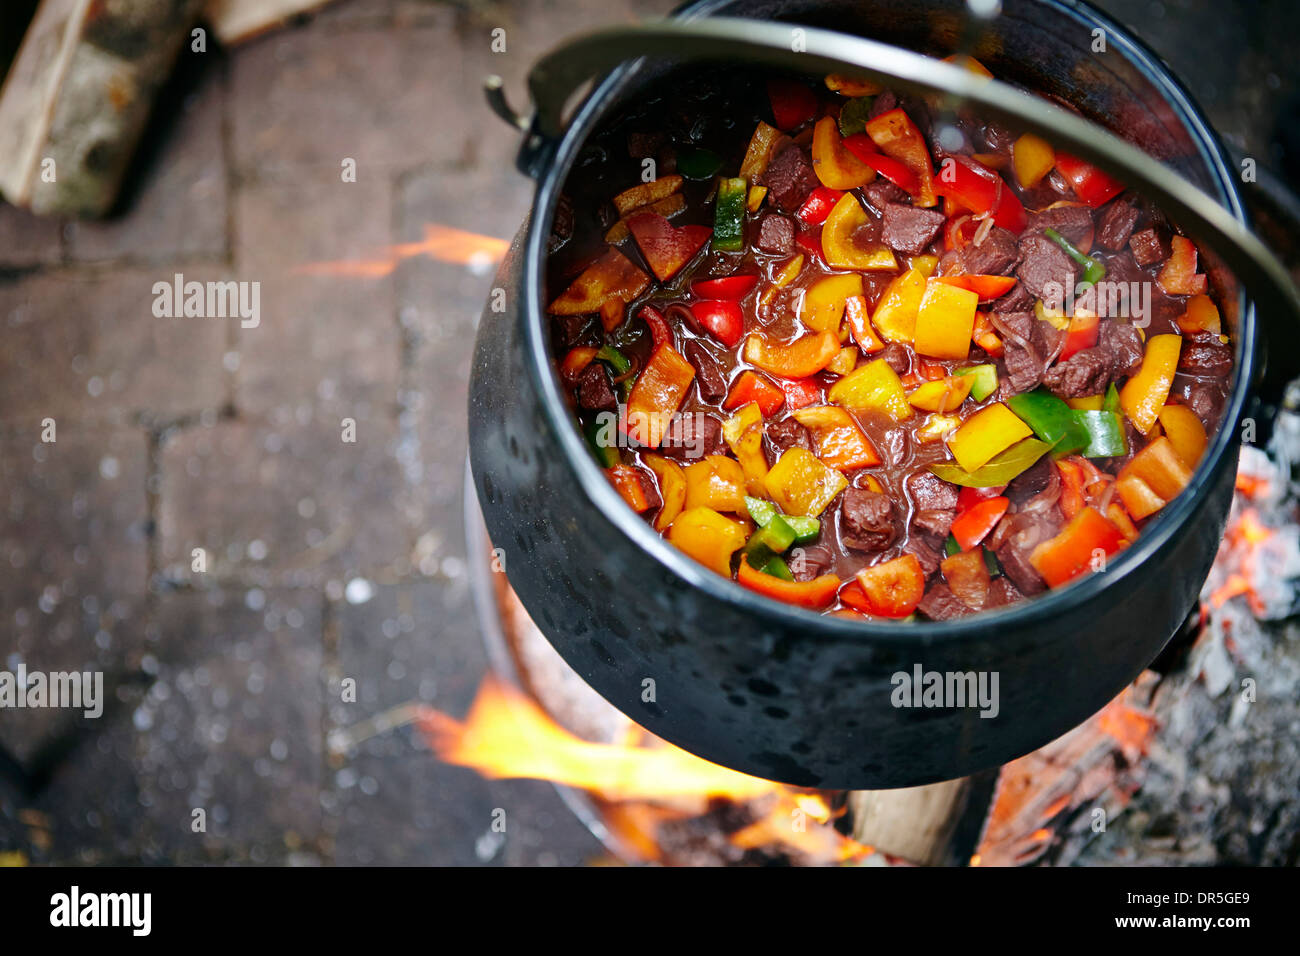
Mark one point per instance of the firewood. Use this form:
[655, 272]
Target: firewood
[914, 823]
[76, 100]
[234, 21]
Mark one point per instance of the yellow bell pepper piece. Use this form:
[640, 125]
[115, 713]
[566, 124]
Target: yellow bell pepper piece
[851, 85]
[759, 151]
[672, 488]
[923, 264]
[801, 484]
[839, 244]
[945, 321]
[784, 276]
[755, 198]
[1032, 157]
[743, 432]
[987, 432]
[1144, 394]
[1185, 432]
[875, 387]
[717, 482]
[1089, 403]
[834, 165]
[942, 395]
[708, 537]
[845, 361]
[895, 317]
[822, 309]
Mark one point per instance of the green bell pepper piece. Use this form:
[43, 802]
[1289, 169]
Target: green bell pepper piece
[1093, 270]
[760, 510]
[951, 547]
[1111, 402]
[1051, 419]
[729, 215]
[986, 380]
[606, 456]
[773, 538]
[1105, 433]
[805, 528]
[999, 470]
[778, 569]
[696, 163]
[991, 562]
[615, 359]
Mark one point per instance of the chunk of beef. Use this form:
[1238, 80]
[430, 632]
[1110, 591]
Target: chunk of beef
[997, 255]
[880, 192]
[808, 561]
[866, 520]
[998, 139]
[1086, 372]
[692, 436]
[1204, 354]
[570, 331]
[1030, 481]
[908, 229]
[641, 145]
[1016, 566]
[651, 488]
[789, 177]
[594, 389]
[1123, 347]
[1073, 222]
[709, 377]
[562, 228]
[1203, 396]
[935, 521]
[929, 492]
[1002, 592]
[1116, 225]
[787, 434]
[896, 357]
[1023, 358]
[1045, 268]
[1019, 299]
[884, 102]
[1148, 247]
[940, 604]
[927, 555]
[776, 234]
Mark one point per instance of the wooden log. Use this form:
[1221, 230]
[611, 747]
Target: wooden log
[914, 823]
[234, 21]
[77, 98]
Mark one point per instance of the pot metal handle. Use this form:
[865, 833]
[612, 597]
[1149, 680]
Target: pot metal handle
[558, 74]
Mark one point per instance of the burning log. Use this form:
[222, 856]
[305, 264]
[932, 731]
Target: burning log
[76, 100]
[915, 824]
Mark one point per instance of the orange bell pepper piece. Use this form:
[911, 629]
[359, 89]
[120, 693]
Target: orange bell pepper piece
[708, 537]
[842, 444]
[815, 594]
[611, 277]
[1152, 479]
[858, 317]
[576, 362]
[626, 482]
[1071, 487]
[1178, 275]
[892, 588]
[834, 165]
[968, 576]
[1185, 432]
[1088, 538]
[799, 359]
[748, 387]
[897, 136]
[659, 391]
[1202, 315]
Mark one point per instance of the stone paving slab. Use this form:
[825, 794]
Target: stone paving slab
[86, 345]
[287, 502]
[26, 241]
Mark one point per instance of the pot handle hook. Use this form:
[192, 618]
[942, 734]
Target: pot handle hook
[558, 74]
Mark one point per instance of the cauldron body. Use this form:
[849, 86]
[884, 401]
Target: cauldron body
[776, 691]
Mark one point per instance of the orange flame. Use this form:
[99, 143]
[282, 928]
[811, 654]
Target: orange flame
[1242, 541]
[641, 782]
[440, 243]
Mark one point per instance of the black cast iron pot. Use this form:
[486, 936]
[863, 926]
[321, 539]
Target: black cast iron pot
[773, 690]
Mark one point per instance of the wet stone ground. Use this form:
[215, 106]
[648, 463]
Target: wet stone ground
[322, 559]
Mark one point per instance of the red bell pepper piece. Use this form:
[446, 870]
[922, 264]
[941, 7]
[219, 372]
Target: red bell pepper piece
[969, 497]
[811, 245]
[627, 482]
[959, 231]
[897, 136]
[853, 596]
[731, 288]
[818, 205]
[1071, 487]
[1072, 552]
[667, 248]
[864, 150]
[660, 331]
[981, 189]
[800, 393]
[793, 103]
[576, 362]
[894, 588]
[722, 318]
[986, 287]
[815, 594]
[973, 525]
[1083, 333]
[1178, 275]
[864, 333]
[748, 387]
[1089, 183]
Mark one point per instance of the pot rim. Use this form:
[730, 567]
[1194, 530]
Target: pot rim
[602, 496]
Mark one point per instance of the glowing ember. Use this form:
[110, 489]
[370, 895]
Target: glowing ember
[642, 782]
[440, 243]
